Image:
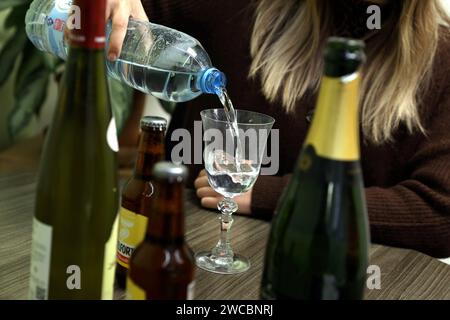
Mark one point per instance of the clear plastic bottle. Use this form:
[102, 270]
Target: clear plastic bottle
[157, 60]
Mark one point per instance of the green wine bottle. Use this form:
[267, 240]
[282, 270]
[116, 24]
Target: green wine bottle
[318, 246]
[75, 221]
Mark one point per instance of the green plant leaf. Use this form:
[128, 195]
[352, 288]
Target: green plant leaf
[121, 98]
[9, 53]
[6, 4]
[16, 18]
[34, 71]
[51, 62]
[31, 68]
[26, 105]
[30, 89]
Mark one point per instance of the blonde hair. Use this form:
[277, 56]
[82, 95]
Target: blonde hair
[288, 41]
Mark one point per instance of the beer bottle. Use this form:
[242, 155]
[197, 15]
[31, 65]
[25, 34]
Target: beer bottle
[133, 222]
[318, 246]
[162, 267]
[75, 221]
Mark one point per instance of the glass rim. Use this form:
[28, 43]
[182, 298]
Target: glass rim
[270, 120]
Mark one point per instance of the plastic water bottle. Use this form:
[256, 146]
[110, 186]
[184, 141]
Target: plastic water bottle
[157, 60]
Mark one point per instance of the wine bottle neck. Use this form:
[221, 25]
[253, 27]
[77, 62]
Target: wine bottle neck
[166, 216]
[87, 22]
[334, 132]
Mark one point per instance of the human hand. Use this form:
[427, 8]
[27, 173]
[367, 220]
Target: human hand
[120, 11]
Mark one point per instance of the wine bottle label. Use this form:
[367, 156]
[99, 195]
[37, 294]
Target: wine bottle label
[40, 260]
[134, 292]
[132, 229]
[334, 134]
[109, 264]
[89, 31]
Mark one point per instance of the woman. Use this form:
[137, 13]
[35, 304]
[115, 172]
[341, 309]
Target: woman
[405, 107]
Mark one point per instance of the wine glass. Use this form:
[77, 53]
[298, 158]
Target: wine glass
[232, 163]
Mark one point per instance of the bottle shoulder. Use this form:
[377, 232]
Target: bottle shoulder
[155, 256]
[134, 191]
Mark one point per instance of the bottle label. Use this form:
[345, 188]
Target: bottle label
[132, 228]
[109, 264]
[87, 22]
[40, 260]
[134, 292]
[56, 23]
[334, 133]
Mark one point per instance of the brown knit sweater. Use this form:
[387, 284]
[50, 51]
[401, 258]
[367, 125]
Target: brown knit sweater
[407, 181]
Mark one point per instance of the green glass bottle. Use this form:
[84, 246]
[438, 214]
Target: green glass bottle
[75, 220]
[318, 246]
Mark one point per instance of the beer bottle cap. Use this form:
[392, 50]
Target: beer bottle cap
[166, 170]
[149, 122]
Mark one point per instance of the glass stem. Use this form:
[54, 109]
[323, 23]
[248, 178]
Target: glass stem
[223, 253]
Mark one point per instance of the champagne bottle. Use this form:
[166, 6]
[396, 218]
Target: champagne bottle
[318, 246]
[75, 220]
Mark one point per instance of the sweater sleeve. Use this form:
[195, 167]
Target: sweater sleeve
[266, 192]
[416, 212]
[413, 214]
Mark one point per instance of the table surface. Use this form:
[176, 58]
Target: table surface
[405, 274]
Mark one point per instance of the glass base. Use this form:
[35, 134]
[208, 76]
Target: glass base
[206, 261]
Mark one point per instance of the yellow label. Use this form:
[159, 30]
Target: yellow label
[134, 292]
[334, 132]
[132, 228]
[109, 264]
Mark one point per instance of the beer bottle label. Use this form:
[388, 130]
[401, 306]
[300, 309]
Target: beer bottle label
[132, 229]
[109, 264]
[134, 292]
[40, 260]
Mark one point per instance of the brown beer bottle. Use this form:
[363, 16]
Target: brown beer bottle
[133, 222]
[162, 267]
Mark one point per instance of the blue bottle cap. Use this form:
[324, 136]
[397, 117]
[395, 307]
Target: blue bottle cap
[211, 81]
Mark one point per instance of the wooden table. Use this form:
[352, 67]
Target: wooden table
[406, 274]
